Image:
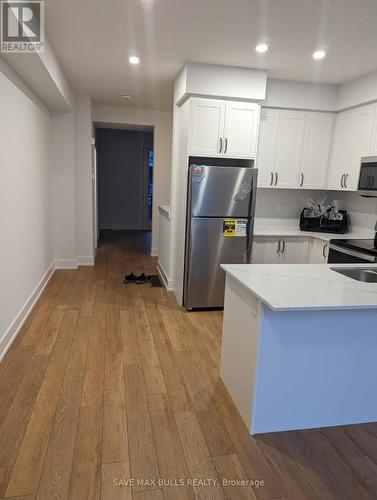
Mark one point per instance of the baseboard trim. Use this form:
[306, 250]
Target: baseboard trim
[85, 261]
[66, 264]
[166, 281]
[154, 252]
[22, 316]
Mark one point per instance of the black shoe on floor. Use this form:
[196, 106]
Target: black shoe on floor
[143, 279]
[130, 278]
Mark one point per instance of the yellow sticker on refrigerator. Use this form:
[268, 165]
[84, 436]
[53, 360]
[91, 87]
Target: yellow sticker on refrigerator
[229, 228]
[235, 227]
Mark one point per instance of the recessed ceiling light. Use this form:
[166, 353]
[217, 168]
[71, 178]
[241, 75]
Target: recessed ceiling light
[127, 96]
[134, 60]
[261, 48]
[319, 54]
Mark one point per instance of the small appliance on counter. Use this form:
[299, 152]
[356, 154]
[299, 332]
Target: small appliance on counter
[219, 225]
[322, 217]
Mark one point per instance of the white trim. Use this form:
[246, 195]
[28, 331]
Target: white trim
[86, 261]
[21, 317]
[66, 264]
[154, 252]
[166, 281]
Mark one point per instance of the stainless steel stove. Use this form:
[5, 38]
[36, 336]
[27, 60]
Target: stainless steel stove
[345, 251]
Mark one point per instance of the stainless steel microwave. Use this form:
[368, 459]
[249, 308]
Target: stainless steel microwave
[368, 177]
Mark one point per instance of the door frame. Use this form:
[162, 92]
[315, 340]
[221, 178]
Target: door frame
[95, 197]
[147, 224]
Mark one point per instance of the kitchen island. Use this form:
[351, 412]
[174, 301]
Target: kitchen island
[299, 347]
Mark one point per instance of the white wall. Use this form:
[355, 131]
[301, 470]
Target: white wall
[63, 191]
[83, 180]
[26, 253]
[301, 95]
[179, 199]
[321, 97]
[161, 121]
[287, 204]
[163, 264]
[221, 82]
[359, 91]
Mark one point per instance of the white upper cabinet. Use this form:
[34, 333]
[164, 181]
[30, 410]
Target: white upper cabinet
[241, 127]
[223, 128]
[268, 137]
[316, 149]
[206, 127]
[293, 149]
[352, 139]
[289, 148]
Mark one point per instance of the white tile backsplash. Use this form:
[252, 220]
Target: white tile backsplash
[283, 207]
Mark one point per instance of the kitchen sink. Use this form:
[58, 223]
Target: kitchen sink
[359, 274]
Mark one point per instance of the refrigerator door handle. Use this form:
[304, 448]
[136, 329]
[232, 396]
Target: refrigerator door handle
[221, 144]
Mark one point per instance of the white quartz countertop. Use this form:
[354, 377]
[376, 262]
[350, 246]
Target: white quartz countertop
[288, 287]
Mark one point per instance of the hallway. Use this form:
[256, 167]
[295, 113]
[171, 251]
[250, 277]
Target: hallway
[108, 382]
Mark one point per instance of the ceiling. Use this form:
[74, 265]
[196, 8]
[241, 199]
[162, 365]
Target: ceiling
[93, 40]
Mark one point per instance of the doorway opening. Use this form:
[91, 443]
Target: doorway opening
[125, 162]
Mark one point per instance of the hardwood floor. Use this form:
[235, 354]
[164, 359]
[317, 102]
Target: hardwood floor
[108, 383]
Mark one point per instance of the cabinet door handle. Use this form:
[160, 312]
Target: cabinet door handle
[324, 251]
[272, 179]
[341, 181]
[226, 145]
[221, 144]
[279, 245]
[276, 178]
[345, 180]
[302, 180]
[283, 247]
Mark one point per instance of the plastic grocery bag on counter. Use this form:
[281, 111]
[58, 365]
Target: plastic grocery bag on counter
[323, 216]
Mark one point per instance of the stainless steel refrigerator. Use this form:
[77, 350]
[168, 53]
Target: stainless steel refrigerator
[219, 227]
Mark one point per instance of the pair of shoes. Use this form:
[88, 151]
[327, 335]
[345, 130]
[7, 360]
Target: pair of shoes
[139, 280]
[130, 278]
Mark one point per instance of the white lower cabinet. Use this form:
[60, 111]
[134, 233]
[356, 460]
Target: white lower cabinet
[294, 250]
[318, 251]
[266, 250]
[289, 250]
[280, 250]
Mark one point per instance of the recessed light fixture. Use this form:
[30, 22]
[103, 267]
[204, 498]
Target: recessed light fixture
[127, 97]
[261, 48]
[319, 54]
[134, 60]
